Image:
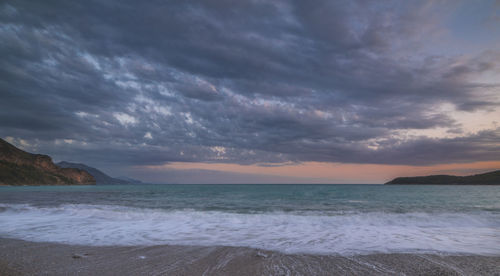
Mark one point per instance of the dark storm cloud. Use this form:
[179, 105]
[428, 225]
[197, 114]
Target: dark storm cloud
[127, 82]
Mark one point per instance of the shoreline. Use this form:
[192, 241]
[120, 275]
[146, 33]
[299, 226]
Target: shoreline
[18, 257]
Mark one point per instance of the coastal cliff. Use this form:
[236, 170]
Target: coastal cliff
[18, 167]
[489, 178]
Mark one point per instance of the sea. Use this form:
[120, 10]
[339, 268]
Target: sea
[313, 219]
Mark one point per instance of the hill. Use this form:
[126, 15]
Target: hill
[18, 167]
[100, 177]
[489, 178]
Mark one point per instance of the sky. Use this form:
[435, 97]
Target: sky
[274, 91]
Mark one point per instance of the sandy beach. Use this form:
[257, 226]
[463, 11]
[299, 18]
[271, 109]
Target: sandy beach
[19, 257]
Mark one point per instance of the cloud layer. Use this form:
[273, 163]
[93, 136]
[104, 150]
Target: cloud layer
[128, 83]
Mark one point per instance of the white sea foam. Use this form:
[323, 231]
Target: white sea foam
[361, 233]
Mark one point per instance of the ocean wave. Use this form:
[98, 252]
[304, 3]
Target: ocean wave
[314, 232]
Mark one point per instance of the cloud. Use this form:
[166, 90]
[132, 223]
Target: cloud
[125, 119]
[268, 82]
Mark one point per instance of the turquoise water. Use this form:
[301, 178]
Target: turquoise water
[325, 219]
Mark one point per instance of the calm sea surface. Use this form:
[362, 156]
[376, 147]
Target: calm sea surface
[322, 219]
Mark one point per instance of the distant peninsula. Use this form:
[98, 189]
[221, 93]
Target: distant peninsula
[489, 178]
[18, 167]
[100, 177]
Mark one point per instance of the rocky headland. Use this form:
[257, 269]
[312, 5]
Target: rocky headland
[18, 167]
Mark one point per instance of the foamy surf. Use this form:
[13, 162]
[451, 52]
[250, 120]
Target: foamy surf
[314, 232]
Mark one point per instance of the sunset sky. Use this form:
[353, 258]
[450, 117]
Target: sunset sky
[222, 91]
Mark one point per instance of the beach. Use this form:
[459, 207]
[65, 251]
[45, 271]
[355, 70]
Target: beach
[249, 230]
[19, 257]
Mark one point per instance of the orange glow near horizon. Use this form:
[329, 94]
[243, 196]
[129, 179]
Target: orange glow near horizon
[338, 172]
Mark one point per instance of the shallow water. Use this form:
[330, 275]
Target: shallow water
[324, 219]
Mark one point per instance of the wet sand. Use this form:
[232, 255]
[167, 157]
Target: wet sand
[32, 258]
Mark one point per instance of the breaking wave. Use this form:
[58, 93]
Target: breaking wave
[319, 233]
